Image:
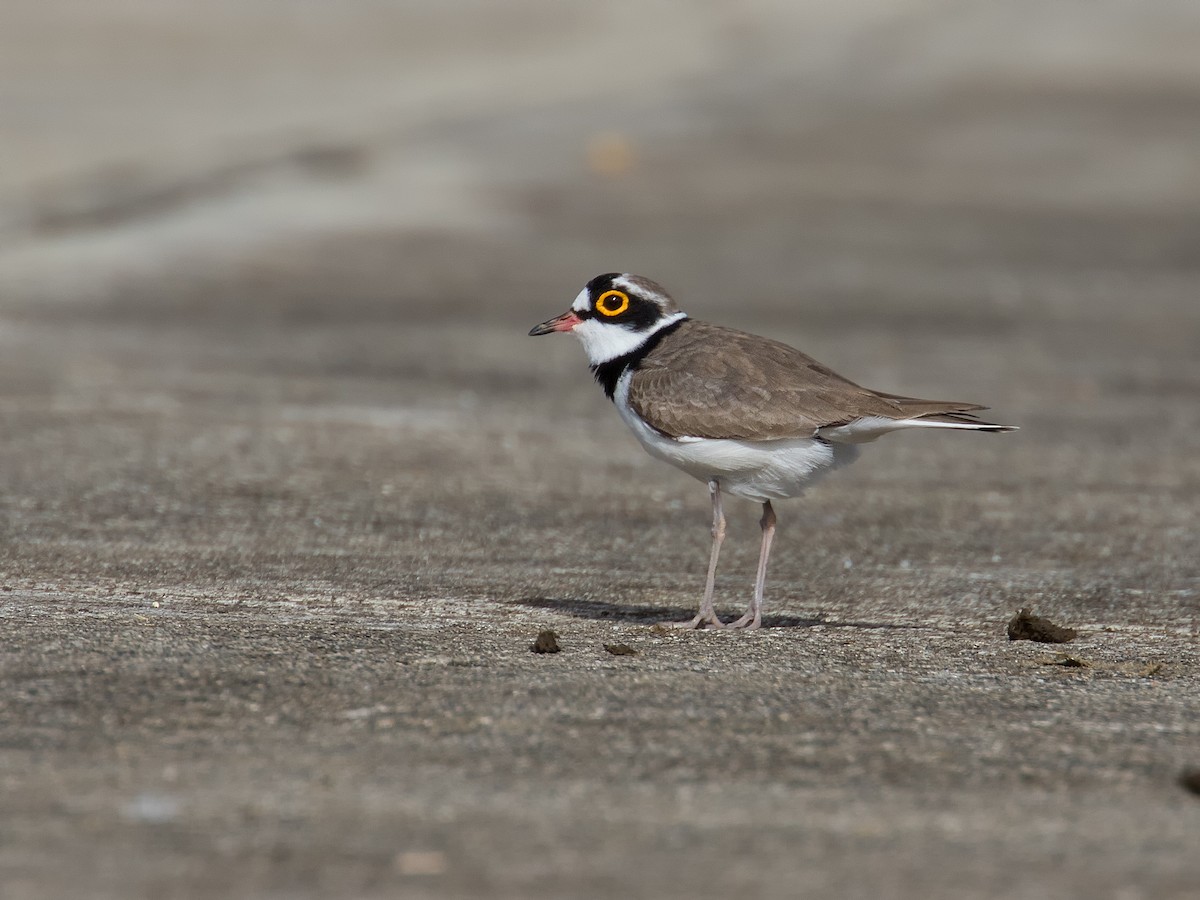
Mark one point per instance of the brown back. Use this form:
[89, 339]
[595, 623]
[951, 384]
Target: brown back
[704, 380]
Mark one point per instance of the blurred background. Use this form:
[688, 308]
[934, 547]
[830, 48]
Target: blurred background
[946, 155]
[266, 273]
[228, 235]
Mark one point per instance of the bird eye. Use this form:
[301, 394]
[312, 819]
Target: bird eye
[612, 303]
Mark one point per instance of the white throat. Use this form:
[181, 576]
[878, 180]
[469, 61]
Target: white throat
[604, 341]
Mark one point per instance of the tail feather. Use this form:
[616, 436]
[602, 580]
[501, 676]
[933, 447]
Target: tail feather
[936, 415]
[944, 413]
[914, 407]
[959, 420]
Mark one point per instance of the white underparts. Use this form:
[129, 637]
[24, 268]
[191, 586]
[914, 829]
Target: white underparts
[756, 470]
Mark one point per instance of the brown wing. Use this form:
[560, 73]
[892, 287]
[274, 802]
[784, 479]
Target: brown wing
[707, 381]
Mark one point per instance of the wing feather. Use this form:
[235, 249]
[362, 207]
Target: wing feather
[708, 381]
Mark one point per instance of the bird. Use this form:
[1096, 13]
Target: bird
[747, 415]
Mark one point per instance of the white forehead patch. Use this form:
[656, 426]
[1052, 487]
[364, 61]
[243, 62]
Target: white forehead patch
[581, 303]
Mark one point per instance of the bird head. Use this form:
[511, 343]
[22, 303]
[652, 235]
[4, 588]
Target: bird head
[614, 314]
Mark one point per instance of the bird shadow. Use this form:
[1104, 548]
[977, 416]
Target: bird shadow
[653, 615]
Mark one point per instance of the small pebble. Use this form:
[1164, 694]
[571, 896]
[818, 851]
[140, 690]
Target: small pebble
[1190, 780]
[1025, 626]
[547, 642]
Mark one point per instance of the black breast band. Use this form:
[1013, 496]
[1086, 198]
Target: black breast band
[610, 372]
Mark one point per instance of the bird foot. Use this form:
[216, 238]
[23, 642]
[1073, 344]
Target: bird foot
[749, 622]
[700, 621]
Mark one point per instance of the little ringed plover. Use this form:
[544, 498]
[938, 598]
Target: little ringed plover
[743, 413]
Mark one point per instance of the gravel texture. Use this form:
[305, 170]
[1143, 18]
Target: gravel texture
[287, 493]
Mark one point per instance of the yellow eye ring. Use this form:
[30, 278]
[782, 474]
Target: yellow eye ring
[612, 303]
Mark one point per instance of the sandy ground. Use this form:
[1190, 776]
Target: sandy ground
[288, 492]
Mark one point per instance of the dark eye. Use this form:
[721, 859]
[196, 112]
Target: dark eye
[612, 303]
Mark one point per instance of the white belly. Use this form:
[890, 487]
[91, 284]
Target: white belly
[756, 470]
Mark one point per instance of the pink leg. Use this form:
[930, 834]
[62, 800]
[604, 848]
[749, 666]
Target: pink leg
[753, 616]
[707, 617]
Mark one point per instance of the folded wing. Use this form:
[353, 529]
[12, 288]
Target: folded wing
[707, 381]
